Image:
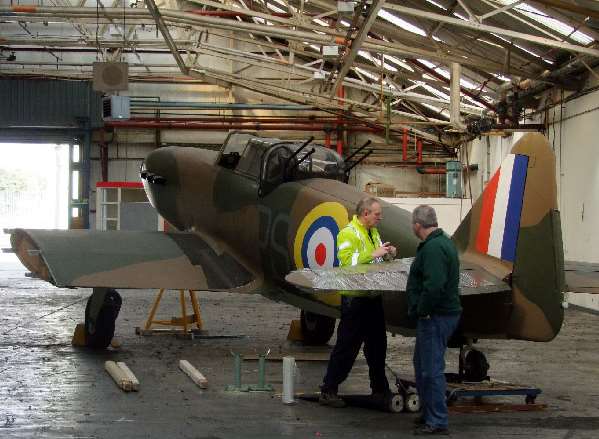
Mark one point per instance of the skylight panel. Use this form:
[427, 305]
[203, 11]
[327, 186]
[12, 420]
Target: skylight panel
[394, 19]
[368, 74]
[376, 61]
[269, 5]
[552, 23]
[522, 48]
[501, 77]
[436, 92]
[321, 22]
[399, 62]
[440, 6]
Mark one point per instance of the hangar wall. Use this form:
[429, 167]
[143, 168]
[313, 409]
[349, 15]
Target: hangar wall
[573, 137]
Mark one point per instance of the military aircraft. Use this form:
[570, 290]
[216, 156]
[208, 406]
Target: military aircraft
[262, 215]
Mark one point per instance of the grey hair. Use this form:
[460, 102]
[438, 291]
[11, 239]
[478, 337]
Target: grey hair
[364, 204]
[425, 216]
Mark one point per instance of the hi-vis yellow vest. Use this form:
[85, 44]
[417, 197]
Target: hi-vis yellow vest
[354, 247]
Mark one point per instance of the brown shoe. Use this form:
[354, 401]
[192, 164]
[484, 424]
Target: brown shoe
[331, 400]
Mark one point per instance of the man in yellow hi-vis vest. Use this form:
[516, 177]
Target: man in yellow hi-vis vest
[362, 317]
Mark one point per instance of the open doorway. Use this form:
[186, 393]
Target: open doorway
[34, 188]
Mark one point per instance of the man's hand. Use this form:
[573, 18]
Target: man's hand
[392, 250]
[385, 249]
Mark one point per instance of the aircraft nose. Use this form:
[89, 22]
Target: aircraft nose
[160, 177]
[159, 168]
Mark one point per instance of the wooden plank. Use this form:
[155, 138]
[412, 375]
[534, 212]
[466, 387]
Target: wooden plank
[130, 376]
[118, 375]
[195, 375]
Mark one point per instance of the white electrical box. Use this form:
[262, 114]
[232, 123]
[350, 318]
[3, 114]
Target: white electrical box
[319, 74]
[345, 8]
[330, 52]
[116, 107]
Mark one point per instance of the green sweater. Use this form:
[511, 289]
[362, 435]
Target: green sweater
[434, 278]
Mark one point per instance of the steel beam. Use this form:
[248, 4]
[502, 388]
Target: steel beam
[499, 10]
[167, 36]
[493, 29]
[348, 60]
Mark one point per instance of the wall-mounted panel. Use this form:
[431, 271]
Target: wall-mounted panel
[48, 103]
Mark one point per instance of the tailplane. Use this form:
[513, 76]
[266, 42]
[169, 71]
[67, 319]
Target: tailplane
[514, 231]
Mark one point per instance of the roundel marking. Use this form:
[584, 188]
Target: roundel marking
[315, 244]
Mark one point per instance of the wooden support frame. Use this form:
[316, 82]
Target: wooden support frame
[185, 322]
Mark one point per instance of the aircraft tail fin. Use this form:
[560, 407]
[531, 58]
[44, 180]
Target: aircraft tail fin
[515, 228]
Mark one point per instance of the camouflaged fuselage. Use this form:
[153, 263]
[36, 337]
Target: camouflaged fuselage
[270, 234]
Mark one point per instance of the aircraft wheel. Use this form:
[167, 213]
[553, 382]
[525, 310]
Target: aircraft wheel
[476, 366]
[316, 328]
[412, 403]
[396, 403]
[530, 399]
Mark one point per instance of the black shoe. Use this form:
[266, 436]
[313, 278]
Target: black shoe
[419, 421]
[427, 429]
[382, 396]
[331, 400]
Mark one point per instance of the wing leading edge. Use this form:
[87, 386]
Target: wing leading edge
[389, 276]
[129, 259]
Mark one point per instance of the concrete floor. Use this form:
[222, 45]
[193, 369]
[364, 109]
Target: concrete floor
[50, 389]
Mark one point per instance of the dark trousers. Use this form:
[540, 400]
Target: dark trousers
[362, 321]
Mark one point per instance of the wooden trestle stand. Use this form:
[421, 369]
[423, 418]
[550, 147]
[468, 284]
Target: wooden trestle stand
[185, 322]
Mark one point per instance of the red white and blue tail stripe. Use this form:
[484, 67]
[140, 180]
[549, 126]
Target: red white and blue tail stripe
[501, 209]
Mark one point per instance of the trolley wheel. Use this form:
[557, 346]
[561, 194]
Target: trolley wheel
[530, 399]
[412, 402]
[396, 403]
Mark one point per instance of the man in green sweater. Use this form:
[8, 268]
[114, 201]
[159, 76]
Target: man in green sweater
[433, 299]
[362, 317]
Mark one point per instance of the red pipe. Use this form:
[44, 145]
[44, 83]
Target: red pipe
[219, 126]
[327, 138]
[431, 170]
[419, 150]
[404, 145]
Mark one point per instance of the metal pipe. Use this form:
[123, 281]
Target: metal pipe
[404, 145]
[220, 126]
[440, 77]
[454, 96]
[218, 106]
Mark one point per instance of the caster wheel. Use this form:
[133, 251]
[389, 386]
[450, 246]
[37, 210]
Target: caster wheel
[412, 402]
[530, 399]
[396, 404]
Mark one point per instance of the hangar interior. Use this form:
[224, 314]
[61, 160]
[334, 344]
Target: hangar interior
[441, 88]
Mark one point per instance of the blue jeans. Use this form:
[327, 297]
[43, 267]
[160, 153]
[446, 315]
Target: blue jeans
[429, 365]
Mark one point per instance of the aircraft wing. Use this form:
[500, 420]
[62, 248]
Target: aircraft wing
[129, 259]
[388, 276]
[582, 277]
